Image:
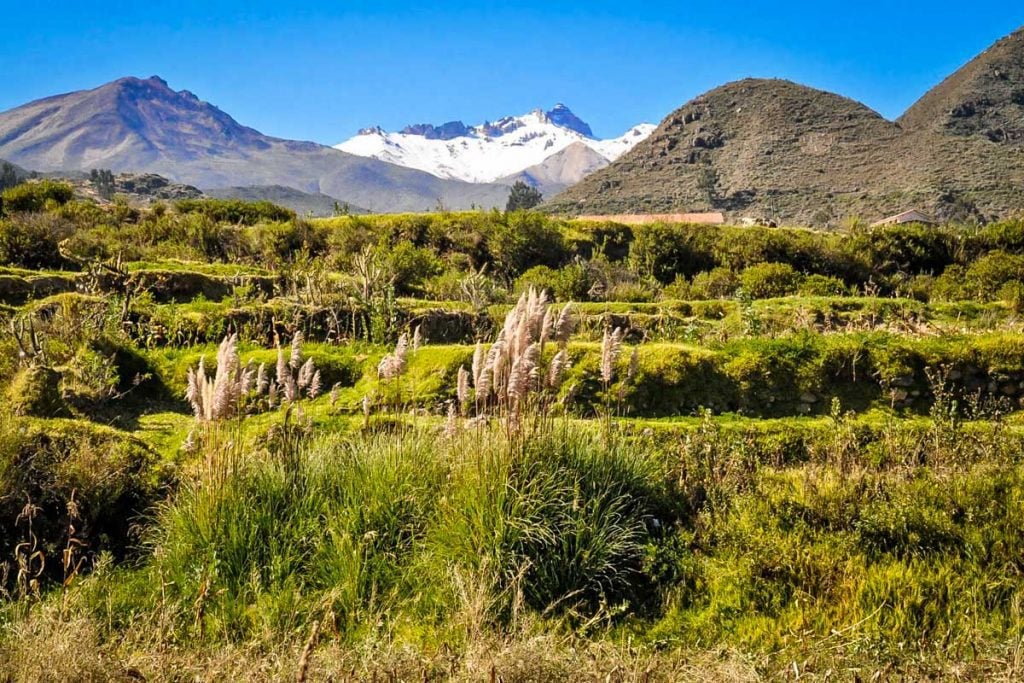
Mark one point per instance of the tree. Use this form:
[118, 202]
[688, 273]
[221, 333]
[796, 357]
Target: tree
[523, 196]
[8, 175]
[103, 181]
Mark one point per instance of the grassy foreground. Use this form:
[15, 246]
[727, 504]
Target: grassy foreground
[559, 550]
[239, 445]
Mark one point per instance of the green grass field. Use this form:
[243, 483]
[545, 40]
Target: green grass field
[719, 471]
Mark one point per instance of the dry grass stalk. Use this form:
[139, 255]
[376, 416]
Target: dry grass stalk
[611, 348]
[220, 396]
[462, 388]
[508, 373]
[223, 395]
[393, 365]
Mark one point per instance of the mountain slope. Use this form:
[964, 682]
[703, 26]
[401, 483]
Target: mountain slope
[561, 169]
[302, 203]
[490, 151]
[755, 146]
[983, 98]
[774, 149]
[145, 126]
[964, 139]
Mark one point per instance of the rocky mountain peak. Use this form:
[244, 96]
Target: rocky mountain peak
[562, 116]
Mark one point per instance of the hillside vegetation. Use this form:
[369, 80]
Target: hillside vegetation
[237, 444]
[775, 150]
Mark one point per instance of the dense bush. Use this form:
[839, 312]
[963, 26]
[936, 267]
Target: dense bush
[909, 249]
[768, 280]
[35, 196]
[718, 283]
[984, 277]
[410, 266]
[570, 283]
[528, 239]
[71, 473]
[235, 211]
[666, 251]
[823, 285]
[31, 241]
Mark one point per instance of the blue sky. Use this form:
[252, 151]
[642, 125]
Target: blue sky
[321, 71]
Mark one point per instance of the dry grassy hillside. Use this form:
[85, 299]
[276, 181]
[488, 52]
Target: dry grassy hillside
[772, 148]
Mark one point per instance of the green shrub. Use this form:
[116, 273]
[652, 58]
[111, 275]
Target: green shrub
[718, 283]
[527, 239]
[989, 273]
[31, 241]
[235, 211]
[823, 285]
[951, 285]
[667, 251]
[679, 290]
[769, 280]
[35, 197]
[410, 266]
[908, 249]
[571, 283]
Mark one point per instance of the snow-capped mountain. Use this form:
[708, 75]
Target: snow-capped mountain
[493, 150]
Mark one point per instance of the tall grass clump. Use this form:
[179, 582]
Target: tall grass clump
[369, 530]
[561, 522]
[306, 528]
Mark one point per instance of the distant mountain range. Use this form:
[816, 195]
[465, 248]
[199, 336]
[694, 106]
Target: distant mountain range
[548, 149]
[145, 126]
[778, 150]
[756, 148]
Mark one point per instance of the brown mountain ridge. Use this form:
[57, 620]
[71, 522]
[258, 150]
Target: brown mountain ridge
[773, 149]
[144, 126]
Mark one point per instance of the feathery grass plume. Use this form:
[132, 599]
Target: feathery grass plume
[217, 397]
[293, 376]
[451, 424]
[314, 385]
[505, 375]
[538, 311]
[262, 379]
[296, 357]
[496, 364]
[392, 365]
[417, 339]
[249, 376]
[306, 374]
[281, 371]
[482, 386]
[366, 406]
[523, 374]
[462, 388]
[291, 390]
[335, 392]
[564, 325]
[193, 393]
[611, 347]
[634, 364]
[556, 370]
[545, 328]
[479, 360]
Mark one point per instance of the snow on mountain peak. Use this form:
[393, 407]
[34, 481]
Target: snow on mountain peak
[489, 151]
